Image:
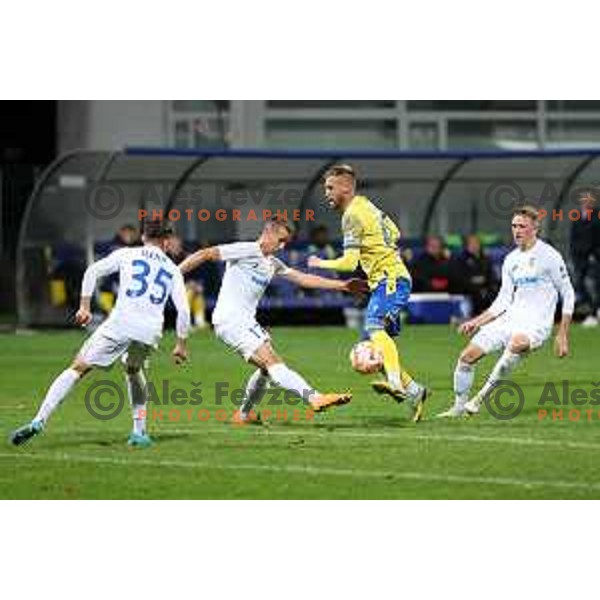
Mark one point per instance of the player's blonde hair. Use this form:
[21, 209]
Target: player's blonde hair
[340, 170]
[528, 211]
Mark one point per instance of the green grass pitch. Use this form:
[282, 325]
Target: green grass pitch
[367, 449]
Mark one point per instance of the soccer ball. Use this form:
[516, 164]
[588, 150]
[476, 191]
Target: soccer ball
[365, 358]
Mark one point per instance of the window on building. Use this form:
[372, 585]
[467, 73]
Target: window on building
[574, 132]
[199, 105]
[329, 104]
[424, 136]
[322, 134]
[491, 134]
[471, 105]
[573, 105]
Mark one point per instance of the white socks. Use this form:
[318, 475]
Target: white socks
[63, 384]
[394, 379]
[136, 387]
[464, 375]
[414, 390]
[255, 387]
[290, 380]
[57, 392]
[508, 361]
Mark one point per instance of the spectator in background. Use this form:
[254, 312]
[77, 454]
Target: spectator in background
[474, 274]
[585, 248]
[194, 288]
[127, 236]
[320, 243]
[67, 266]
[432, 271]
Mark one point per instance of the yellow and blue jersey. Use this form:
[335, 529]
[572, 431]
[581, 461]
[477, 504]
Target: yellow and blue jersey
[370, 231]
[371, 240]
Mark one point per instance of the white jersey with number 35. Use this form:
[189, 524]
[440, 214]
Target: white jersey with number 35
[147, 278]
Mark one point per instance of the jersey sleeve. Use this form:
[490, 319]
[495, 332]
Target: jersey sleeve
[391, 231]
[352, 229]
[506, 293]
[239, 250]
[179, 297]
[562, 283]
[101, 268]
[280, 267]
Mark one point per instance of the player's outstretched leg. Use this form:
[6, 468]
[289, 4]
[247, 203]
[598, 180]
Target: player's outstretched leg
[56, 393]
[284, 377]
[265, 359]
[464, 376]
[512, 356]
[26, 432]
[255, 388]
[138, 396]
[399, 384]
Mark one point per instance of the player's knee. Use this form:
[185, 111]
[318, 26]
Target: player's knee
[470, 355]
[519, 344]
[269, 361]
[264, 358]
[80, 367]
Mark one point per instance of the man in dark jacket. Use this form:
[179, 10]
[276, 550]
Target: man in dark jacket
[475, 274]
[585, 248]
[432, 271]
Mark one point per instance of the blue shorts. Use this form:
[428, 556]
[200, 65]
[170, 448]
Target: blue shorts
[383, 311]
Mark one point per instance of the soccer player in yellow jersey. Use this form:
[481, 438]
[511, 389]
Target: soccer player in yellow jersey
[371, 240]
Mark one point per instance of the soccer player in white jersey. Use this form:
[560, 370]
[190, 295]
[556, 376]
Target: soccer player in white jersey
[147, 278]
[250, 268]
[521, 318]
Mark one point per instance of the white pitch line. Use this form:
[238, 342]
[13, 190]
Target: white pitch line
[400, 435]
[308, 470]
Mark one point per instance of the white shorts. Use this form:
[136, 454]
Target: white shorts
[497, 335]
[245, 338]
[102, 350]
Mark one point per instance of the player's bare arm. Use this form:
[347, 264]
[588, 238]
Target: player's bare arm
[564, 287]
[99, 269]
[306, 280]
[180, 354]
[84, 314]
[561, 342]
[182, 325]
[473, 325]
[193, 261]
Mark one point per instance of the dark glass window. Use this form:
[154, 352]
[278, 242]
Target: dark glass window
[470, 105]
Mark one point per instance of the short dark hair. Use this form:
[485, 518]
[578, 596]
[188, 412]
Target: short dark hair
[280, 220]
[338, 170]
[157, 229]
